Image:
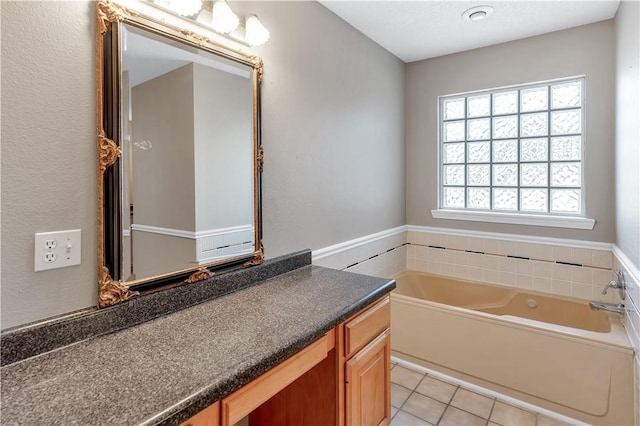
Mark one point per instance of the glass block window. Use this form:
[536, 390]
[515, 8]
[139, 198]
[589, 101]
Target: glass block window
[514, 150]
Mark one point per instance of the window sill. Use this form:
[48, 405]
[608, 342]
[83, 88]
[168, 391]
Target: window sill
[516, 219]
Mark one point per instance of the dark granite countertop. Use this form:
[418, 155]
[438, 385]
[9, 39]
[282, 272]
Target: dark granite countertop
[163, 371]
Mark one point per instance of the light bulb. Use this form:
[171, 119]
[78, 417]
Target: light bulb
[223, 19]
[185, 7]
[256, 33]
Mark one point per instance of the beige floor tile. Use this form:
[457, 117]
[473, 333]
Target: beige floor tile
[472, 402]
[406, 377]
[546, 421]
[424, 407]
[394, 410]
[508, 415]
[455, 417]
[398, 395]
[406, 419]
[436, 389]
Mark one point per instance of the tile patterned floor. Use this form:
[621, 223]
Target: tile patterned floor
[420, 399]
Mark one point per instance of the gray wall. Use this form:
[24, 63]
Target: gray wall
[582, 50]
[332, 130]
[627, 159]
[223, 140]
[48, 153]
[162, 112]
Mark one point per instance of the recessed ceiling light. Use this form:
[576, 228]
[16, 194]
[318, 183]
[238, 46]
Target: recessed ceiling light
[477, 13]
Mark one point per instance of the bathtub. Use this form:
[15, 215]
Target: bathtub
[553, 352]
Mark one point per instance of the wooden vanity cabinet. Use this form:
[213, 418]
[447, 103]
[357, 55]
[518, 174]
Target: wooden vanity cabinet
[343, 378]
[368, 366]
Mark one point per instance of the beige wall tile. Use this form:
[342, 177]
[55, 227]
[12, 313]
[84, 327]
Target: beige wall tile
[524, 281]
[561, 272]
[582, 291]
[508, 279]
[475, 260]
[476, 274]
[475, 244]
[491, 262]
[562, 254]
[561, 287]
[491, 276]
[542, 284]
[447, 269]
[433, 267]
[524, 266]
[507, 264]
[461, 272]
[581, 256]
[508, 248]
[461, 258]
[492, 246]
[542, 269]
[601, 258]
[581, 274]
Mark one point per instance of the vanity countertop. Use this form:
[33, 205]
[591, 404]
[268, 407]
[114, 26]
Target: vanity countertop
[165, 370]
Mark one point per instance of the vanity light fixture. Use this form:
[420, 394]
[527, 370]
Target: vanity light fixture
[256, 33]
[185, 7]
[477, 13]
[223, 20]
[215, 15]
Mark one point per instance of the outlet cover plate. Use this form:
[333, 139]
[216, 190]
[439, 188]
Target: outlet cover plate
[57, 249]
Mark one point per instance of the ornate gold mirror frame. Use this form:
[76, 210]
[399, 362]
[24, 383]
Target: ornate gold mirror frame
[109, 18]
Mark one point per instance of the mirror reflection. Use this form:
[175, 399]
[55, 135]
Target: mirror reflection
[187, 140]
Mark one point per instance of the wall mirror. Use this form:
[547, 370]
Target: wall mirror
[179, 155]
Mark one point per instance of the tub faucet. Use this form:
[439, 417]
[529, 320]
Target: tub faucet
[604, 306]
[618, 283]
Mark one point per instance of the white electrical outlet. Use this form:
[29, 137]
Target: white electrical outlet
[57, 249]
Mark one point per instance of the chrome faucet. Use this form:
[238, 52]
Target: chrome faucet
[619, 284]
[604, 306]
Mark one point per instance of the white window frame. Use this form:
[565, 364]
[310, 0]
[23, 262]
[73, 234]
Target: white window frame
[575, 221]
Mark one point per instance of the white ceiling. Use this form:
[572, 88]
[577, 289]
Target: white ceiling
[421, 29]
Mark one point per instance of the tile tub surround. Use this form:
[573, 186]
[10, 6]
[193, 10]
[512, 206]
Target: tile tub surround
[32, 339]
[561, 267]
[168, 369]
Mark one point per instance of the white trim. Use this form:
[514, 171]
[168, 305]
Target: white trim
[189, 234]
[489, 392]
[348, 245]
[592, 245]
[632, 274]
[221, 231]
[163, 231]
[626, 263]
[517, 219]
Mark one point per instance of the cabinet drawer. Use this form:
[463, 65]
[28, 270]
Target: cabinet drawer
[243, 401]
[365, 327]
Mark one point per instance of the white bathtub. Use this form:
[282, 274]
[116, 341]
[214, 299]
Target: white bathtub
[553, 352]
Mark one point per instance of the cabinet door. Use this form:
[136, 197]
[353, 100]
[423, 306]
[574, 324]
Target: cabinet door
[368, 384]
[210, 416]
